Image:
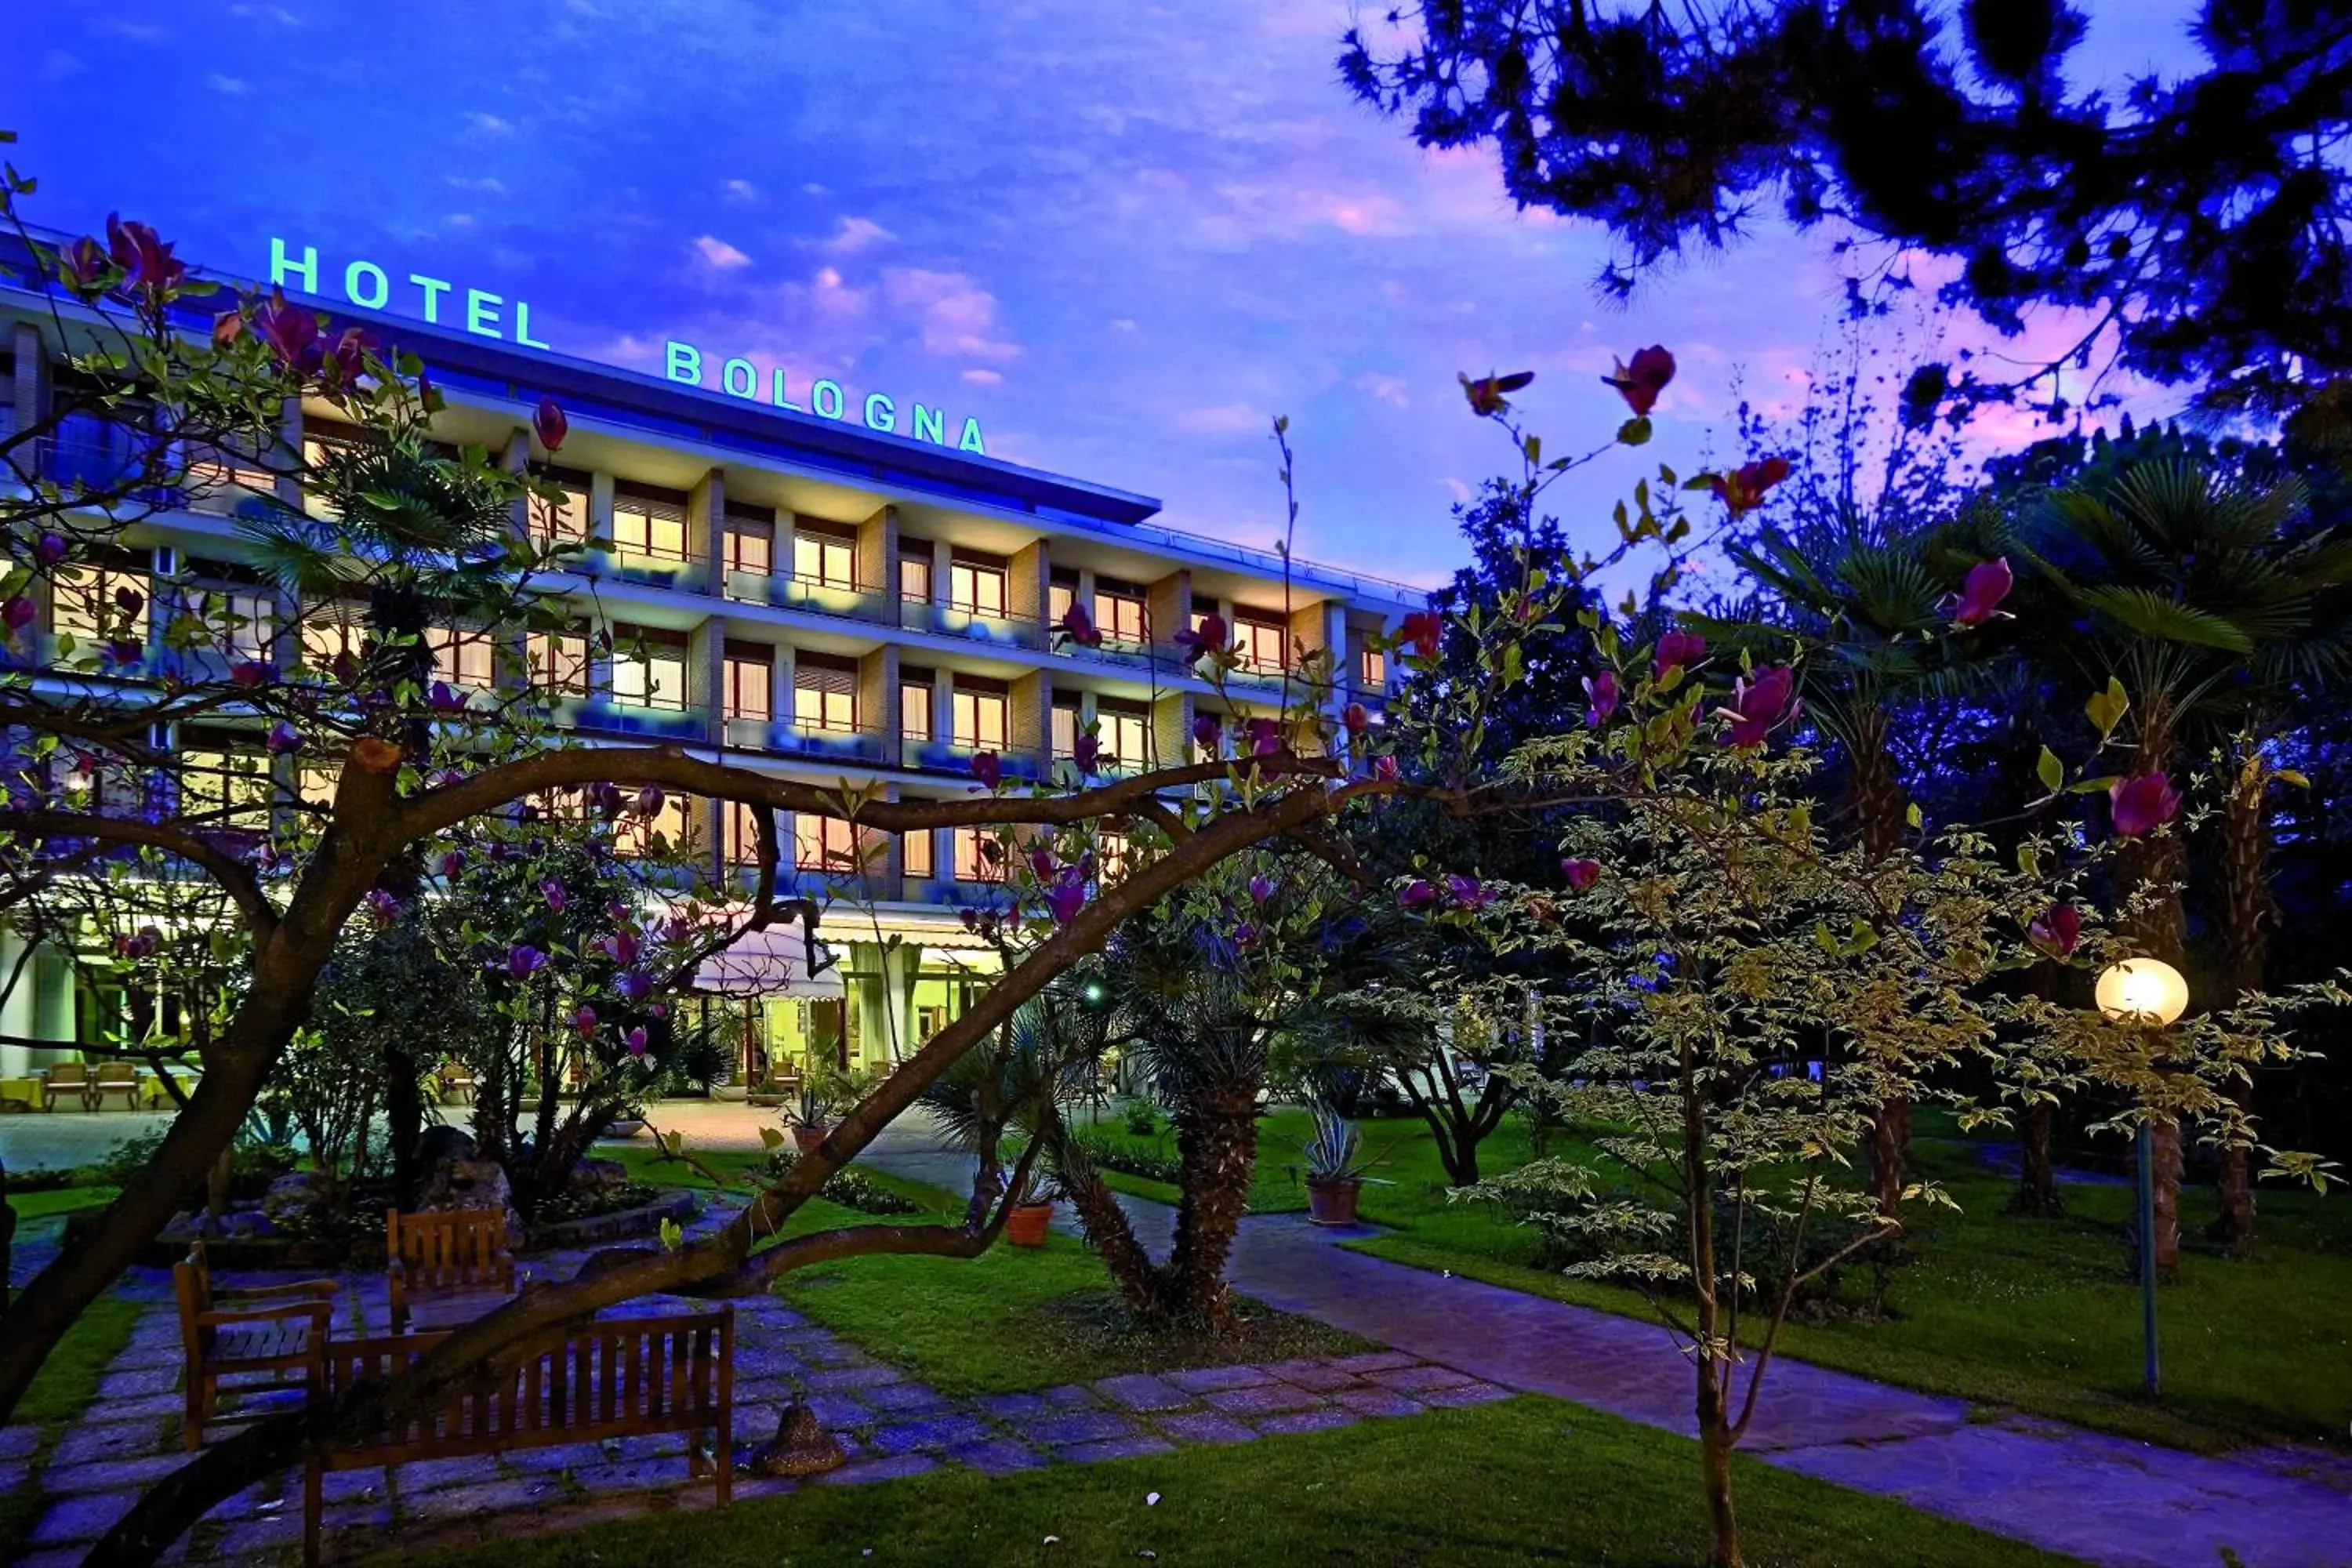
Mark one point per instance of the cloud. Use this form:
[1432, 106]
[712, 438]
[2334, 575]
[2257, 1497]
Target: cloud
[1389, 389]
[488, 185]
[958, 316]
[981, 375]
[1223, 419]
[857, 233]
[459, 220]
[490, 124]
[814, 189]
[740, 191]
[1457, 490]
[277, 13]
[233, 86]
[58, 64]
[1124, 324]
[718, 253]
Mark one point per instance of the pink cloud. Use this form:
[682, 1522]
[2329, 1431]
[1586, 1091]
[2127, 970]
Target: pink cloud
[958, 316]
[718, 253]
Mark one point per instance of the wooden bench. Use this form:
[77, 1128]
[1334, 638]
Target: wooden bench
[223, 1331]
[624, 1378]
[113, 1077]
[453, 1082]
[66, 1078]
[446, 1266]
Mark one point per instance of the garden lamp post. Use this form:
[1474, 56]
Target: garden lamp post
[2151, 993]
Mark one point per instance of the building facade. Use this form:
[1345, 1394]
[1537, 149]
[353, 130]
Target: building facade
[785, 592]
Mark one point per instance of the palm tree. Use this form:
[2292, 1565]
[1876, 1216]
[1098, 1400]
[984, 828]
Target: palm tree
[2208, 597]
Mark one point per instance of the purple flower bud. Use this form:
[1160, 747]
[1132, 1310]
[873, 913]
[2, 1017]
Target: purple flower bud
[584, 1019]
[1208, 731]
[1261, 887]
[284, 738]
[1579, 871]
[48, 549]
[650, 801]
[250, 672]
[2142, 803]
[1602, 696]
[988, 768]
[384, 905]
[1678, 650]
[636, 1041]
[1467, 892]
[1067, 896]
[442, 698]
[453, 864]
[621, 947]
[1265, 737]
[18, 614]
[553, 892]
[635, 984]
[549, 423]
[1988, 584]
[524, 960]
[1418, 895]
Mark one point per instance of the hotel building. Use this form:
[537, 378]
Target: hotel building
[799, 594]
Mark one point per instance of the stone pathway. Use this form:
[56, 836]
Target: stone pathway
[890, 1424]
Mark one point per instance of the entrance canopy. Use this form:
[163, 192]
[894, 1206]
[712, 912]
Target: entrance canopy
[775, 962]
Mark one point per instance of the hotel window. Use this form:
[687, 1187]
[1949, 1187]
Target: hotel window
[565, 521]
[976, 584]
[1119, 612]
[915, 854]
[914, 570]
[980, 718]
[979, 857]
[825, 553]
[915, 694]
[825, 844]
[1372, 669]
[224, 788]
[559, 663]
[461, 654]
[1125, 731]
[1113, 855]
[751, 543]
[239, 620]
[648, 668]
[1061, 594]
[671, 830]
[1263, 643]
[1069, 722]
[316, 782]
[742, 836]
[648, 524]
[88, 601]
[332, 629]
[751, 683]
[825, 693]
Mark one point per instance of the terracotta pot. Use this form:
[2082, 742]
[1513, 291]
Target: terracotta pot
[1331, 1201]
[807, 1139]
[1025, 1226]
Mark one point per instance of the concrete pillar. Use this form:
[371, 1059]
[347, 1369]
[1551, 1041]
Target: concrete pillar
[1029, 718]
[706, 676]
[900, 963]
[1029, 584]
[942, 563]
[943, 707]
[706, 528]
[515, 460]
[53, 1002]
[1172, 728]
[18, 1007]
[30, 391]
[289, 452]
[877, 560]
[877, 696]
[779, 699]
[1168, 605]
[600, 510]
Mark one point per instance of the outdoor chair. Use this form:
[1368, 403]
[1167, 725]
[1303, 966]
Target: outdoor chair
[245, 1329]
[446, 1266]
[66, 1078]
[113, 1077]
[453, 1082]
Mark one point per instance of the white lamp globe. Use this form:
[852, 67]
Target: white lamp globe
[2142, 991]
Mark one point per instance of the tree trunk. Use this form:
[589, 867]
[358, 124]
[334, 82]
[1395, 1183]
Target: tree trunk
[2164, 1148]
[2248, 911]
[1113, 1238]
[2037, 1166]
[403, 1116]
[1879, 807]
[2161, 928]
[1217, 1143]
[1890, 1155]
[7, 1236]
[1722, 1525]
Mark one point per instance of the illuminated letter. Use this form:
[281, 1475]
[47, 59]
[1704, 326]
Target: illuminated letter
[970, 440]
[817, 395]
[930, 424]
[482, 313]
[726, 373]
[434, 288]
[279, 265]
[522, 327]
[889, 419]
[685, 361]
[781, 401]
[358, 270]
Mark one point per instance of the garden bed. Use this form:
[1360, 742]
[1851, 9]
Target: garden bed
[642, 1215]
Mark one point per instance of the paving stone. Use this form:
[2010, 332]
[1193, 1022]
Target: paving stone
[111, 1475]
[257, 1538]
[19, 1441]
[78, 1519]
[837, 1410]
[95, 1442]
[833, 1379]
[1374, 1361]
[1203, 1426]
[1117, 1448]
[138, 1382]
[884, 1469]
[56, 1557]
[1142, 1391]
[1466, 1395]
[897, 1398]
[549, 1461]
[1203, 1380]
[754, 1362]
[153, 1407]
[1418, 1379]
[1077, 1426]
[636, 1475]
[336, 1518]
[14, 1473]
[1320, 1376]
[829, 1352]
[767, 1391]
[937, 1432]
[430, 1475]
[1298, 1421]
[500, 1497]
[1265, 1399]
[1071, 1396]
[1377, 1402]
[997, 1457]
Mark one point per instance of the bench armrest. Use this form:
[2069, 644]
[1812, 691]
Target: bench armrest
[315, 1311]
[324, 1289]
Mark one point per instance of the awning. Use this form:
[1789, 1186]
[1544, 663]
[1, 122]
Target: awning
[771, 962]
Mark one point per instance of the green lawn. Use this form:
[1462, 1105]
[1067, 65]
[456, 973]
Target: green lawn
[1532, 1480]
[57, 1201]
[2037, 1315]
[60, 1392]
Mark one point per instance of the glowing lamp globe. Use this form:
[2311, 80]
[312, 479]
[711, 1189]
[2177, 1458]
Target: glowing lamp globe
[2142, 991]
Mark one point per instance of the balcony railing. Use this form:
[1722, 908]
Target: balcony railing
[612, 718]
[789, 593]
[859, 745]
[971, 624]
[955, 757]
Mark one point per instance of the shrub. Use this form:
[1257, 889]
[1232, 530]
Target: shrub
[1140, 1119]
[851, 1189]
[1112, 1154]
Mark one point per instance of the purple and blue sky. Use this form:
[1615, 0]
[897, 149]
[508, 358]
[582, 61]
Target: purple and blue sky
[1122, 234]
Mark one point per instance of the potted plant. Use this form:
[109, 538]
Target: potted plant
[1031, 1212]
[811, 1109]
[1335, 1172]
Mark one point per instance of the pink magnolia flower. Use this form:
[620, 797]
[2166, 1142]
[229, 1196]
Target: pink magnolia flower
[291, 332]
[1067, 895]
[250, 672]
[18, 614]
[621, 947]
[1468, 892]
[453, 864]
[1384, 768]
[1424, 629]
[1742, 489]
[1356, 718]
[553, 892]
[1988, 584]
[1208, 731]
[1485, 395]
[2060, 931]
[524, 960]
[636, 1041]
[1209, 637]
[1640, 383]
[1261, 888]
[1086, 751]
[2142, 803]
[48, 549]
[443, 698]
[1759, 704]
[1079, 627]
[1677, 650]
[227, 327]
[633, 984]
[547, 423]
[584, 1019]
[650, 801]
[284, 739]
[83, 266]
[1580, 871]
[988, 768]
[1418, 895]
[1600, 696]
[1265, 737]
[146, 261]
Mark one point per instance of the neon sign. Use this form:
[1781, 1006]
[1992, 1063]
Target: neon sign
[488, 315]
